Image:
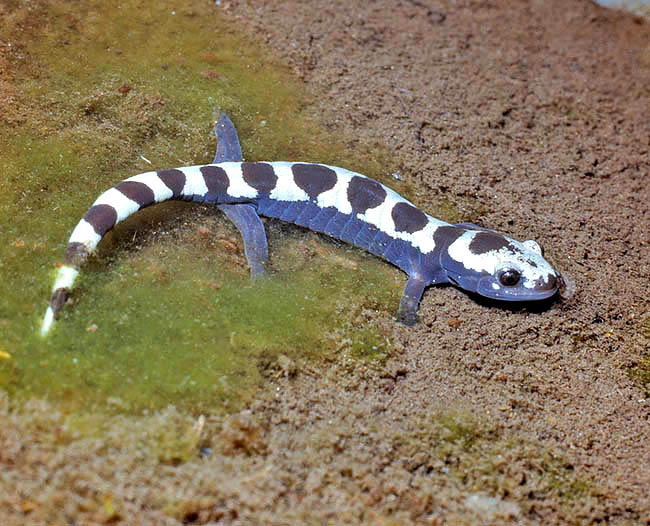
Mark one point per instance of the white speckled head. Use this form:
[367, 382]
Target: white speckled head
[501, 268]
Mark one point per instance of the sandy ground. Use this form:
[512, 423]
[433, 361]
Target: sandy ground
[539, 109]
[537, 113]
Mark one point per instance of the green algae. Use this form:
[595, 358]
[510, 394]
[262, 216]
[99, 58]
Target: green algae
[165, 312]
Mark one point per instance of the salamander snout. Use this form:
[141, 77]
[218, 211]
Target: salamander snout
[551, 283]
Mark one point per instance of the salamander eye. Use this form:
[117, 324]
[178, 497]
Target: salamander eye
[509, 277]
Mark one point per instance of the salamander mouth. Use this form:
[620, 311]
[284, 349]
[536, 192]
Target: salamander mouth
[543, 289]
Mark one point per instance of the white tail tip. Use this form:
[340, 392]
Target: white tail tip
[48, 320]
[65, 278]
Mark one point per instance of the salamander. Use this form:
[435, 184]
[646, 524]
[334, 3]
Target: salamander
[334, 201]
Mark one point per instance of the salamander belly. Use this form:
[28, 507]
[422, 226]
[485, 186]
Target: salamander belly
[346, 227]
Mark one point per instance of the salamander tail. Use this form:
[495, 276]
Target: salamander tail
[75, 255]
[111, 207]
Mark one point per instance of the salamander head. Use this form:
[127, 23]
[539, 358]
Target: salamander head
[500, 268]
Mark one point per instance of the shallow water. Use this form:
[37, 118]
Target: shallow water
[165, 312]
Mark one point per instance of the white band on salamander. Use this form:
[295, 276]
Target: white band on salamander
[47, 321]
[65, 278]
[85, 234]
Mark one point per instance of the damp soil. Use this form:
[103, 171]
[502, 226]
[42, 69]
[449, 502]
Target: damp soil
[528, 117]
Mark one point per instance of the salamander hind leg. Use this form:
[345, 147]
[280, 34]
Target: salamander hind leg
[243, 215]
[245, 218]
[228, 147]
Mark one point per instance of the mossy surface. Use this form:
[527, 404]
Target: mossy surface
[165, 311]
[484, 458]
[198, 470]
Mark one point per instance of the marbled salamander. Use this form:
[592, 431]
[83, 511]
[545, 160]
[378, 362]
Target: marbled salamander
[335, 201]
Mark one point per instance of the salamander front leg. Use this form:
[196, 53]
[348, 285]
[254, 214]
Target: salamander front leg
[249, 224]
[408, 305]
